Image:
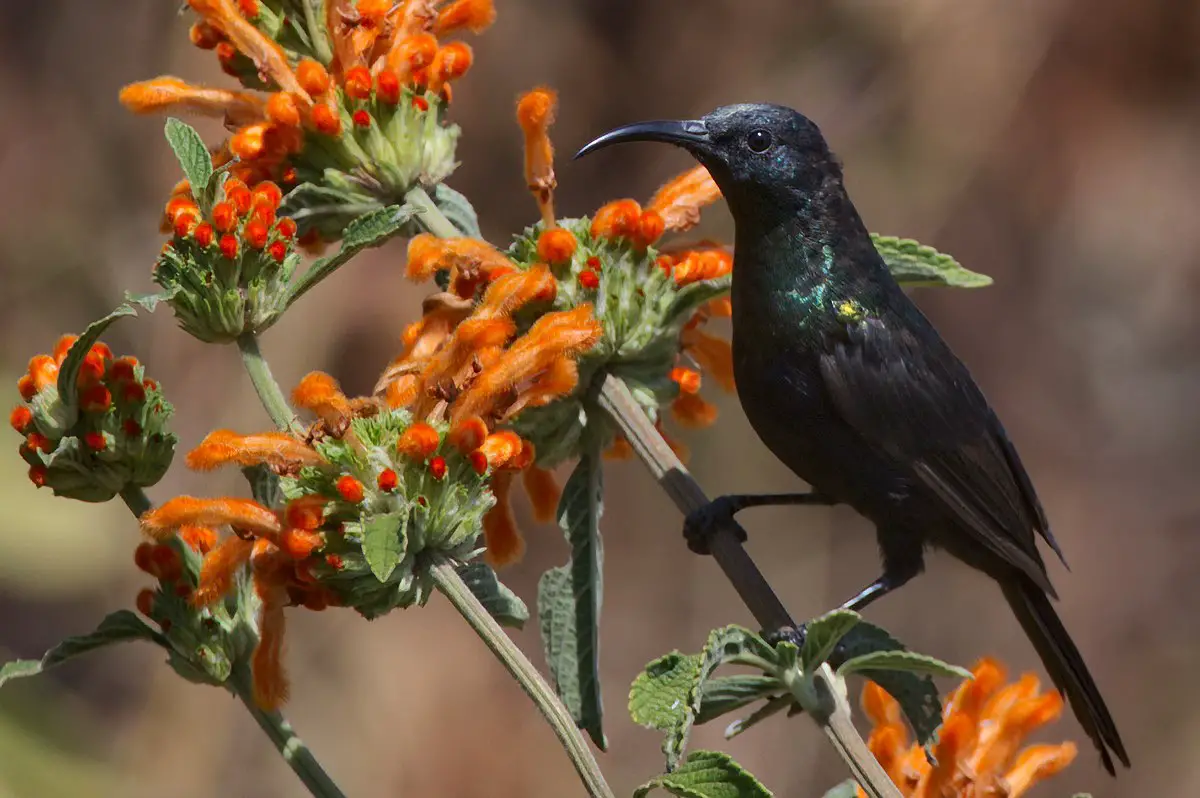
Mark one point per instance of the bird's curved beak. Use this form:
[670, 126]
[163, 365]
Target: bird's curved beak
[690, 134]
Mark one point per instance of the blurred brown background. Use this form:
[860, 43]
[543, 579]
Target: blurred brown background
[1054, 144]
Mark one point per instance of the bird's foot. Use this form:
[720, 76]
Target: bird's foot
[701, 524]
[787, 634]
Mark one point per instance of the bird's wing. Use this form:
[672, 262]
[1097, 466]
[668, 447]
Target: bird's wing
[915, 403]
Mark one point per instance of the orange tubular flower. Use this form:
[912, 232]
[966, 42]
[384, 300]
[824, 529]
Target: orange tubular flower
[505, 545]
[474, 15]
[984, 725]
[320, 393]
[244, 514]
[679, 201]
[278, 450]
[535, 113]
[169, 93]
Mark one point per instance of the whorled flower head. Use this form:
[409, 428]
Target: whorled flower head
[978, 751]
[93, 424]
[372, 494]
[651, 301]
[227, 268]
[353, 102]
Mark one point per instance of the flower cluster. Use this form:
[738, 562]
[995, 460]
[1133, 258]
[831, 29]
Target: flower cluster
[375, 492]
[93, 424]
[227, 267]
[978, 749]
[354, 101]
[651, 301]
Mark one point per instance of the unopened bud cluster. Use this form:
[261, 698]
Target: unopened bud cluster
[93, 424]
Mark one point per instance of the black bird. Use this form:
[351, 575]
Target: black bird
[848, 383]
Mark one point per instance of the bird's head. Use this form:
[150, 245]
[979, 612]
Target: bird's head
[757, 153]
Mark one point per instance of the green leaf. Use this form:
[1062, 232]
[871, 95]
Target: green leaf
[904, 661]
[724, 694]
[118, 627]
[458, 209]
[192, 155]
[916, 692]
[569, 599]
[847, 789]
[707, 774]
[658, 698]
[823, 634]
[68, 373]
[669, 694]
[501, 603]
[693, 295]
[384, 540]
[369, 230]
[264, 486]
[150, 301]
[913, 263]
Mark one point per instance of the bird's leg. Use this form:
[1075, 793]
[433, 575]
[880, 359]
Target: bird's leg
[701, 524]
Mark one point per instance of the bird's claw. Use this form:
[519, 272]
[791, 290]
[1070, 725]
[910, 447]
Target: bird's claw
[702, 523]
[787, 634]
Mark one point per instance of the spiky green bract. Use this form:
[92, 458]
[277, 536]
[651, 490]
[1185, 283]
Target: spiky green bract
[377, 550]
[643, 312]
[367, 168]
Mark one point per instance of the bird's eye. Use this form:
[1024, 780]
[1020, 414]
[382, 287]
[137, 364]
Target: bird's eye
[758, 140]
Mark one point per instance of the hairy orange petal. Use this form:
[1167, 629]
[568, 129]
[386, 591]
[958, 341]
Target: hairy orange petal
[170, 94]
[266, 664]
[544, 493]
[691, 410]
[266, 54]
[468, 434]
[680, 199]
[501, 448]
[321, 394]
[219, 569]
[244, 514]
[277, 449]
[474, 15]
[1038, 763]
[713, 354]
[535, 114]
[500, 534]
[513, 291]
[201, 539]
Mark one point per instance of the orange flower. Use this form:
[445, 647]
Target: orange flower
[679, 200]
[977, 750]
[535, 113]
[279, 450]
[504, 542]
[237, 108]
[544, 493]
[181, 511]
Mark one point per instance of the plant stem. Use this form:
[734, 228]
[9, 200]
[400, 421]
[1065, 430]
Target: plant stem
[452, 587]
[136, 500]
[429, 215]
[743, 574]
[260, 374]
[290, 746]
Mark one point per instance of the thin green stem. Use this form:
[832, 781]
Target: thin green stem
[293, 750]
[260, 374]
[136, 500]
[451, 585]
[429, 215]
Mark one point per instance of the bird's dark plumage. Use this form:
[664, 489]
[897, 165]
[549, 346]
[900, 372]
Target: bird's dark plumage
[848, 383]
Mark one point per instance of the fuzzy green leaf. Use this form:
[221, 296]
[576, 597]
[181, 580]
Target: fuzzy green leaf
[913, 263]
[724, 694]
[264, 486]
[118, 627]
[194, 158]
[823, 634]
[68, 373]
[658, 698]
[369, 230]
[458, 209]
[150, 301]
[569, 600]
[905, 661]
[693, 295]
[847, 789]
[501, 603]
[384, 540]
[916, 692]
[707, 774]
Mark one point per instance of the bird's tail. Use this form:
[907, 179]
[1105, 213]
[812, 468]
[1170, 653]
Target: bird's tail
[1065, 666]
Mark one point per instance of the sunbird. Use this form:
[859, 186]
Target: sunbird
[845, 381]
